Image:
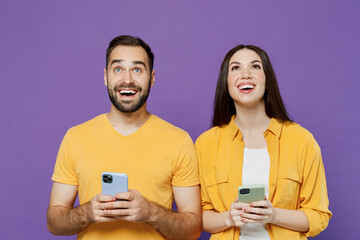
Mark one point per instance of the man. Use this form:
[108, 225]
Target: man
[158, 158]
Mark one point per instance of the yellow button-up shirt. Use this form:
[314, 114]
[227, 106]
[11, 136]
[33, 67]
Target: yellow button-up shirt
[297, 177]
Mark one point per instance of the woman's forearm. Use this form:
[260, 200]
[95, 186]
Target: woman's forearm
[292, 219]
[214, 222]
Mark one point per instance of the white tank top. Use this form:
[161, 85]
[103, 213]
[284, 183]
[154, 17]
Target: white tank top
[255, 170]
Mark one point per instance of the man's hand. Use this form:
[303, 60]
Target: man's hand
[96, 209]
[130, 206]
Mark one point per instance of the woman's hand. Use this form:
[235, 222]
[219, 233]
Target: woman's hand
[258, 212]
[236, 214]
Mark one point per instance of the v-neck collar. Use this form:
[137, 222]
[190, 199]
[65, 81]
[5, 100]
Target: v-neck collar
[134, 134]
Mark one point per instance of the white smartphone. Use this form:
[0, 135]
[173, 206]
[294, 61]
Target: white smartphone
[251, 193]
[113, 183]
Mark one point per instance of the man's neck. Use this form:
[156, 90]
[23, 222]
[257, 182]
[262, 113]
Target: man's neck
[127, 123]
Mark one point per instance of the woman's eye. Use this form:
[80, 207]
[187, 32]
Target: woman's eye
[256, 66]
[235, 68]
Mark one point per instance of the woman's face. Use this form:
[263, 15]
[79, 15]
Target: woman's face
[246, 78]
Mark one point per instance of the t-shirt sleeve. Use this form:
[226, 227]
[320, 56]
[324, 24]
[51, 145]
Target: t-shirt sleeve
[64, 171]
[186, 166]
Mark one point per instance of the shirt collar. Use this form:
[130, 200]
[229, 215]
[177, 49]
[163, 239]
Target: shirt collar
[274, 127]
[233, 129]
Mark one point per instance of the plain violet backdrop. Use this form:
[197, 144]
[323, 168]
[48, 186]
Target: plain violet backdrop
[52, 56]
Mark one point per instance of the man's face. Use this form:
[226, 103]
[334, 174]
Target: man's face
[128, 78]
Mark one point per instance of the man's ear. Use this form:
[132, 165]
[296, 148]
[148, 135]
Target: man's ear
[105, 77]
[152, 78]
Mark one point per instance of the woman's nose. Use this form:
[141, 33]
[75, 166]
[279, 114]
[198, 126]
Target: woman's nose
[246, 74]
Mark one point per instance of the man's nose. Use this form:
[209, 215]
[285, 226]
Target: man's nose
[128, 78]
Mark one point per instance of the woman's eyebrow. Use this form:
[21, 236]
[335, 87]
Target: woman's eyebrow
[234, 63]
[256, 61]
[250, 62]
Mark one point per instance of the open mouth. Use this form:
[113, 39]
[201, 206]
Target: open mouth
[247, 87]
[127, 92]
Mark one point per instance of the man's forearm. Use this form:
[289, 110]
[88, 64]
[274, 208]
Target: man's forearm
[175, 225]
[67, 221]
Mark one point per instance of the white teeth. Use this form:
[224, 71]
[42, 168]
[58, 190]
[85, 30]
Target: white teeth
[246, 86]
[127, 92]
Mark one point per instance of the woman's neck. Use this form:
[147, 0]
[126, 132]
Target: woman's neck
[251, 119]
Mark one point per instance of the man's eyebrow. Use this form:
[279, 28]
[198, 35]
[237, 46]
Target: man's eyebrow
[116, 61]
[133, 62]
[139, 62]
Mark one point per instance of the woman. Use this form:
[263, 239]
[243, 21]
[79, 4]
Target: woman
[253, 141]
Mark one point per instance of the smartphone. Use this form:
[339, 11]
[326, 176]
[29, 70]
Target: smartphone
[113, 183]
[251, 193]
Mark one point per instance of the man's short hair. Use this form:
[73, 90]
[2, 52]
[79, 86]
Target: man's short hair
[127, 40]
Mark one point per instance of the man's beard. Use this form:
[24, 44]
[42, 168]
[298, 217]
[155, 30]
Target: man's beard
[127, 106]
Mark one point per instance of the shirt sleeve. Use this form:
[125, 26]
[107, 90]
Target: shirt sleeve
[314, 200]
[206, 204]
[64, 171]
[186, 172]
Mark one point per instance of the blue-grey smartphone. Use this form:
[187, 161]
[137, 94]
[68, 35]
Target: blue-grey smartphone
[113, 183]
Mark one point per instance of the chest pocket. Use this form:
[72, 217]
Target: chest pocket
[218, 188]
[288, 188]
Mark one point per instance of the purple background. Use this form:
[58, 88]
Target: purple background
[52, 55]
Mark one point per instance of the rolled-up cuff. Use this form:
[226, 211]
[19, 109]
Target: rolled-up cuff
[318, 221]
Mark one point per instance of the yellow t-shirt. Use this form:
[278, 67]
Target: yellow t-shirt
[297, 177]
[155, 157]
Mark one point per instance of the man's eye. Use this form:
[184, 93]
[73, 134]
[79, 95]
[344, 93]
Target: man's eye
[117, 70]
[137, 70]
[235, 68]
